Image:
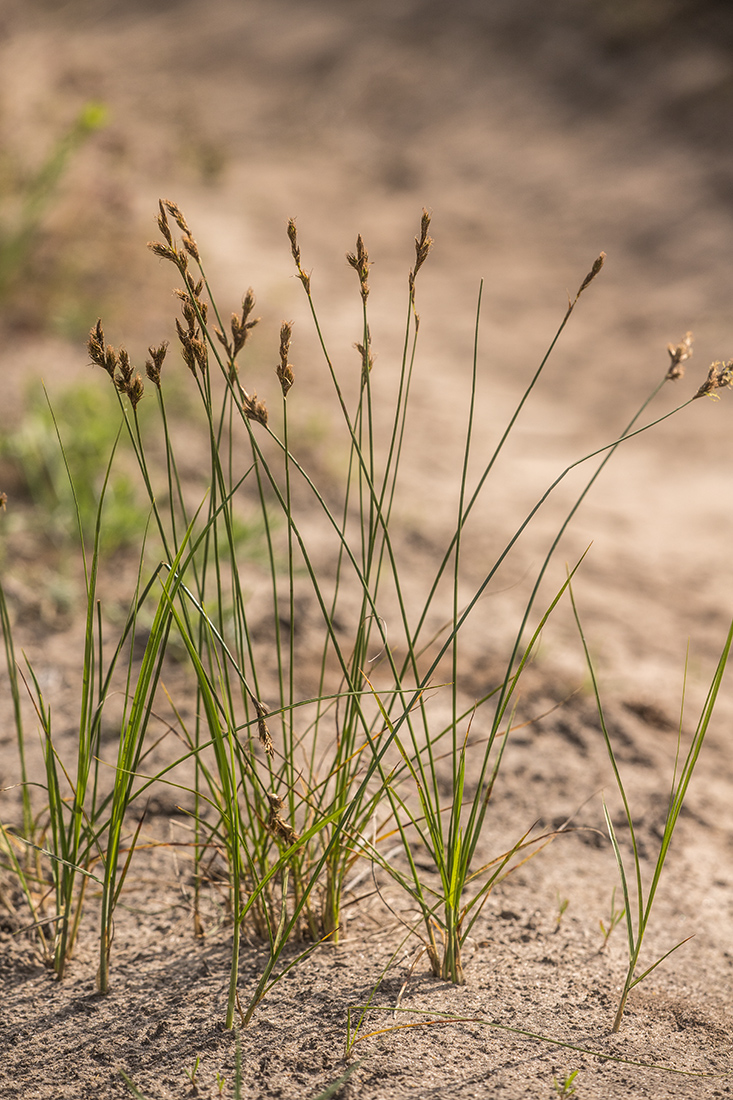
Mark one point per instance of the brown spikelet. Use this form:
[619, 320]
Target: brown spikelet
[189, 315]
[175, 211]
[255, 410]
[166, 252]
[163, 223]
[223, 340]
[124, 377]
[275, 823]
[293, 235]
[192, 248]
[152, 372]
[262, 730]
[186, 340]
[240, 326]
[135, 390]
[423, 244]
[3, 502]
[95, 344]
[719, 376]
[285, 370]
[188, 357]
[678, 354]
[103, 355]
[194, 287]
[591, 275]
[359, 260]
[248, 304]
[295, 249]
[201, 354]
[155, 362]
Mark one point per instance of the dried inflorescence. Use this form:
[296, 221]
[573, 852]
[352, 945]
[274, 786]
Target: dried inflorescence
[154, 364]
[3, 501]
[719, 376]
[679, 353]
[254, 409]
[102, 354]
[423, 244]
[241, 325]
[117, 365]
[304, 276]
[598, 264]
[169, 251]
[240, 328]
[193, 334]
[285, 370]
[193, 348]
[275, 823]
[359, 260]
[262, 730]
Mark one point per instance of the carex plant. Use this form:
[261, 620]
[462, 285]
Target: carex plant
[298, 780]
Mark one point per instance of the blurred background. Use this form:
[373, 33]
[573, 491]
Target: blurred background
[537, 132]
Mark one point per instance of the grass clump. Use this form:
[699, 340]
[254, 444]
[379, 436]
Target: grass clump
[637, 916]
[294, 777]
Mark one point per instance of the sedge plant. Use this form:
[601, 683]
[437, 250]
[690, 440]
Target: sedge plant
[296, 778]
[450, 911]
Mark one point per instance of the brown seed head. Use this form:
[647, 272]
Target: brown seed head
[304, 276]
[254, 409]
[359, 260]
[166, 252]
[126, 370]
[275, 823]
[95, 344]
[163, 223]
[3, 501]
[423, 244]
[285, 370]
[222, 339]
[286, 377]
[152, 372]
[591, 275]
[158, 354]
[186, 339]
[719, 376]
[248, 304]
[678, 354]
[193, 286]
[192, 248]
[154, 364]
[135, 390]
[175, 211]
[263, 731]
[189, 316]
[201, 354]
[103, 355]
[240, 326]
[293, 235]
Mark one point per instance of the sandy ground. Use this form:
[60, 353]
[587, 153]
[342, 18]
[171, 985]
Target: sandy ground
[538, 135]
